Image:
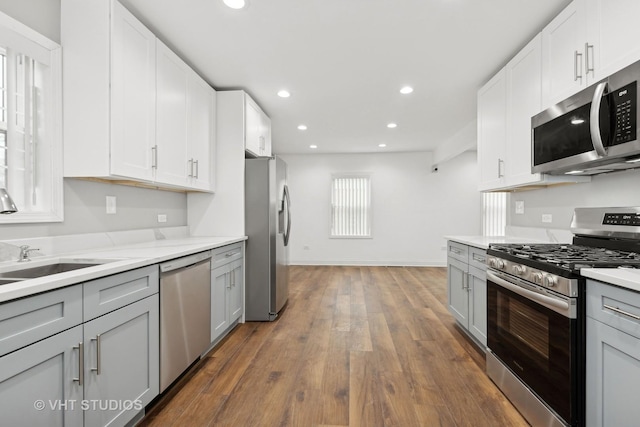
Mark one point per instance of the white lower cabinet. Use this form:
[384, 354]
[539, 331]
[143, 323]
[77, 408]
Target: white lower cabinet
[101, 372]
[613, 356]
[467, 289]
[227, 289]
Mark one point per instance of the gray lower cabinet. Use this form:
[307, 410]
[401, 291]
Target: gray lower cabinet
[227, 289]
[613, 356]
[100, 372]
[467, 288]
[37, 386]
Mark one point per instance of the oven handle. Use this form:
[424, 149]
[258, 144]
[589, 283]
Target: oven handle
[556, 304]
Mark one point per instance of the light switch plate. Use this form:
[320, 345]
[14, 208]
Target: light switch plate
[520, 207]
[162, 218]
[111, 205]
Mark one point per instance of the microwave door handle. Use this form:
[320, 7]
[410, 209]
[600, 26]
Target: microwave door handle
[594, 119]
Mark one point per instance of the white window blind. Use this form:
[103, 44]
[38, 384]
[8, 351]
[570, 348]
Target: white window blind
[351, 206]
[494, 214]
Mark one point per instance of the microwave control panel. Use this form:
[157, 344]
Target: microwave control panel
[625, 103]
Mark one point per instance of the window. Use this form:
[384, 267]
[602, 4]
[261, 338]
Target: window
[494, 214]
[30, 123]
[351, 206]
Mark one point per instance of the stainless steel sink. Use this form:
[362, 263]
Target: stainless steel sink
[43, 270]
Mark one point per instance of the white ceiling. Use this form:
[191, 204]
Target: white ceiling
[344, 62]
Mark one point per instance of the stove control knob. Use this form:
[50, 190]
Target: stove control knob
[520, 269]
[492, 262]
[537, 278]
[549, 281]
[500, 264]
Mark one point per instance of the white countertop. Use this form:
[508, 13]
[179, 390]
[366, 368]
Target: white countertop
[115, 259]
[483, 242]
[625, 277]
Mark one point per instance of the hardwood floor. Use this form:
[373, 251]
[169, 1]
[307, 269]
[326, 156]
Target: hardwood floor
[355, 346]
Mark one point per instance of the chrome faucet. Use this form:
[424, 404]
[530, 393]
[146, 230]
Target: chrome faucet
[25, 250]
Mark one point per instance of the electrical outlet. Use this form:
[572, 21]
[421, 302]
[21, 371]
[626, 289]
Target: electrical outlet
[520, 207]
[547, 218]
[162, 218]
[111, 205]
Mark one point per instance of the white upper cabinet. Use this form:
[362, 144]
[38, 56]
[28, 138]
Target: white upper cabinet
[563, 45]
[492, 131]
[201, 108]
[614, 33]
[131, 105]
[505, 107]
[586, 42]
[170, 152]
[257, 129]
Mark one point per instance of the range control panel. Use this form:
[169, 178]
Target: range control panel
[632, 219]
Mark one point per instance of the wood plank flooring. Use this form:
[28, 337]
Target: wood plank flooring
[355, 346]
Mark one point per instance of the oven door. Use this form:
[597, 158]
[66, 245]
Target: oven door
[534, 333]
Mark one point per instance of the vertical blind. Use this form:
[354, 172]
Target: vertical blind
[350, 206]
[494, 214]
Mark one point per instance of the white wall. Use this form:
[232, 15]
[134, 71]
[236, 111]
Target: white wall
[413, 208]
[608, 190]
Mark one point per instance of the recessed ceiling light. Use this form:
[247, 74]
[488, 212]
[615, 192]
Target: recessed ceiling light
[284, 93]
[302, 127]
[313, 146]
[235, 4]
[576, 172]
[382, 145]
[406, 89]
[392, 125]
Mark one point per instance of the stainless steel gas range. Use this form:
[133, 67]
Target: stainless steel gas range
[536, 312]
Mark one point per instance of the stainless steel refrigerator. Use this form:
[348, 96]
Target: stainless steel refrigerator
[268, 225]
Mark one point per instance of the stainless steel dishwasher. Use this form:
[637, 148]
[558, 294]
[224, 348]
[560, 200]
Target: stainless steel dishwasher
[185, 314]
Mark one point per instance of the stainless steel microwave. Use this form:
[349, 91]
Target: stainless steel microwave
[594, 131]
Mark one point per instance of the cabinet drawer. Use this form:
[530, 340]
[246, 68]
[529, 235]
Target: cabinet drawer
[25, 321]
[112, 292]
[458, 251]
[614, 306]
[478, 258]
[226, 254]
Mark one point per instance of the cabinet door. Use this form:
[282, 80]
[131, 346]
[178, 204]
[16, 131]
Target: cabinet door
[458, 294]
[37, 386]
[219, 304]
[200, 132]
[613, 376]
[613, 36]
[524, 82]
[253, 124]
[236, 302]
[563, 42]
[121, 362]
[478, 304]
[133, 96]
[492, 131]
[172, 76]
[265, 135]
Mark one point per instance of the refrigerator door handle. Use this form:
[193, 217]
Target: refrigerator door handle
[288, 204]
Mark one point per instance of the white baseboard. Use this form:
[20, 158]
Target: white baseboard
[372, 263]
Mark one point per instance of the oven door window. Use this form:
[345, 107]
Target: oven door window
[536, 343]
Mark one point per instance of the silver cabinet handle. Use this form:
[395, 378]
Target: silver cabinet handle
[80, 349]
[465, 281]
[455, 251]
[154, 157]
[624, 313]
[500, 168]
[588, 46]
[229, 281]
[479, 258]
[190, 162]
[577, 76]
[97, 368]
[195, 162]
[594, 119]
